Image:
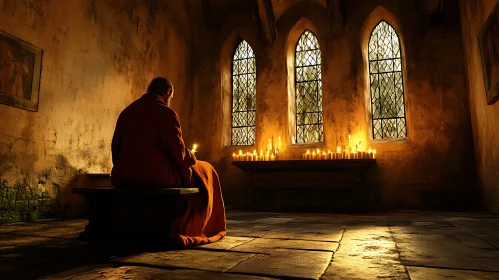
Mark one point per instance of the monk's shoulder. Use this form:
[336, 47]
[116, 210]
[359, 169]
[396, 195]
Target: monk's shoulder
[168, 112]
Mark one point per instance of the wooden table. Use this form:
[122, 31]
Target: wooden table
[310, 185]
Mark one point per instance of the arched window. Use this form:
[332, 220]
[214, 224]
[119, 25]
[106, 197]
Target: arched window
[243, 95]
[387, 89]
[308, 88]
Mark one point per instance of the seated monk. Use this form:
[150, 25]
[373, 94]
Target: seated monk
[148, 151]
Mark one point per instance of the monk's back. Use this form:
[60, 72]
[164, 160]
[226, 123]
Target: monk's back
[139, 154]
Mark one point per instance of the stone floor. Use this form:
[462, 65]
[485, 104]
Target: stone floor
[396, 245]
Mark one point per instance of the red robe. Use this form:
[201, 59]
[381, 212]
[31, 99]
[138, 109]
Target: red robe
[148, 151]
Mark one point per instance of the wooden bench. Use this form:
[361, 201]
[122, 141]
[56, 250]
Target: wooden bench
[129, 213]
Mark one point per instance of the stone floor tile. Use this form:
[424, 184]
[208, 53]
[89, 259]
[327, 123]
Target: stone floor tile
[264, 245]
[80, 223]
[12, 241]
[424, 273]
[144, 273]
[459, 250]
[48, 231]
[227, 243]
[286, 263]
[309, 233]
[424, 227]
[247, 230]
[8, 228]
[191, 259]
[366, 254]
[486, 229]
[274, 220]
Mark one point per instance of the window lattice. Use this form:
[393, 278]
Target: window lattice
[308, 87]
[243, 95]
[387, 89]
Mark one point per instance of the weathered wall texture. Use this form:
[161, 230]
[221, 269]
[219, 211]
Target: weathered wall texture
[98, 57]
[485, 117]
[432, 168]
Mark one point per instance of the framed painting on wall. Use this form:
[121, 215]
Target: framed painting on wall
[20, 68]
[489, 48]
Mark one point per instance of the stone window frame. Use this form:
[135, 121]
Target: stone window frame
[232, 95]
[229, 39]
[294, 35]
[395, 71]
[319, 108]
[379, 14]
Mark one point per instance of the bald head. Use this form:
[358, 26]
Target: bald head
[162, 88]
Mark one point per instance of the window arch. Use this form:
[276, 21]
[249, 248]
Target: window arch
[308, 88]
[243, 95]
[386, 83]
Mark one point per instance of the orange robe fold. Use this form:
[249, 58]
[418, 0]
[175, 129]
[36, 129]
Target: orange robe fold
[204, 220]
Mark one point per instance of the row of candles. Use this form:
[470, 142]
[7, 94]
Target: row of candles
[272, 153]
[339, 154]
[253, 156]
[353, 154]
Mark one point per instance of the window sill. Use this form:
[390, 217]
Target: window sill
[390, 141]
[308, 145]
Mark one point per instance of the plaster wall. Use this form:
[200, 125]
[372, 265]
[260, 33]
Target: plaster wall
[98, 57]
[432, 169]
[485, 118]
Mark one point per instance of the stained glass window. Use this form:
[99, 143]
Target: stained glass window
[243, 95]
[308, 87]
[387, 89]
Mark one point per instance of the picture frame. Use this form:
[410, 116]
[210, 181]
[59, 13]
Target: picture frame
[20, 70]
[489, 51]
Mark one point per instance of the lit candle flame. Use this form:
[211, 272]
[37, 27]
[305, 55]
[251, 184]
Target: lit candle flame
[308, 152]
[338, 149]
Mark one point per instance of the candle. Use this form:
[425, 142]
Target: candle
[279, 143]
[255, 155]
[374, 154]
[234, 157]
[313, 155]
[272, 157]
[267, 156]
[324, 155]
[307, 155]
[329, 154]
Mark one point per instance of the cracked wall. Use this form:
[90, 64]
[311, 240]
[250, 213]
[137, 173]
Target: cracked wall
[433, 169]
[485, 117]
[98, 57]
